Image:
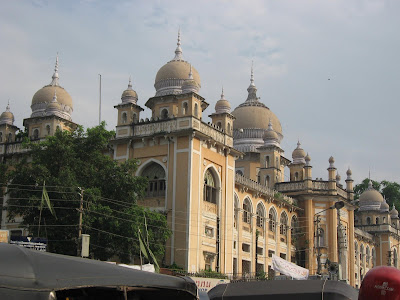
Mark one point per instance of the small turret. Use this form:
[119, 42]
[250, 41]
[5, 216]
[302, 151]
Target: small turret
[332, 174]
[349, 184]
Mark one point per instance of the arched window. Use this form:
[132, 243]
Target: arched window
[134, 118]
[267, 181]
[260, 215]
[377, 220]
[361, 254]
[294, 228]
[373, 257]
[356, 251]
[210, 188]
[196, 110]
[272, 220]
[383, 220]
[219, 125]
[156, 176]
[236, 212]
[124, 118]
[239, 172]
[164, 114]
[229, 127]
[1, 136]
[267, 162]
[367, 256]
[283, 223]
[184, 108]
[394, 257]
[368, 221]
[48, 129]
[10, 137]
[36, 134]
[296, 176]
[246, 211]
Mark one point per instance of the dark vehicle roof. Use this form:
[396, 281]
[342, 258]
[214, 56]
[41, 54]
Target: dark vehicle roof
[284, 290]
[29, 270]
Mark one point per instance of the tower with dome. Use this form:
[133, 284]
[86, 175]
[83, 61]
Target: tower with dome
[221, 184]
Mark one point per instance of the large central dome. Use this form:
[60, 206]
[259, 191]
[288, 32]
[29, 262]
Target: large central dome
[173, 74]
[252, 119]
[45, 95]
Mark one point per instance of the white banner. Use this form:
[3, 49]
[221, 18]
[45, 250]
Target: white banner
[287, 268]
[206, 284]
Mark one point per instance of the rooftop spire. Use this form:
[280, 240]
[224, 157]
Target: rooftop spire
[178, 50]
[252, 75]
[130, 83]
[252, 90]
[8, 106]
[55, 74]
[222, 94]
[55, 96]
[190, 72]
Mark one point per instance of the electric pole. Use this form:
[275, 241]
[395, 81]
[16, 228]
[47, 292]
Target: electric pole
[80, 223]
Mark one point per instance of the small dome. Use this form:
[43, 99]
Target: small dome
[129, 95]
[307, 158]
[7, 117]
[298, 154]
[270, 134]
[253, 114]
[349, 172]
[394, 214]
[370, 199]
[384, 206]
[222, 105]
[331, 160]
[338, 177]
[190, 85]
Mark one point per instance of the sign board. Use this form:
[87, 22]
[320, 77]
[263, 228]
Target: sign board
[289, 269]
[85, 245]
[206, 284]
[4, 236]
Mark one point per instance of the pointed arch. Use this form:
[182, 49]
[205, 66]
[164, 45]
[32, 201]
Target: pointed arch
[283, 221]
[260, 212]
[212, 183]
[236, 209]
[247, 210]
[272, 215]
[156, 176]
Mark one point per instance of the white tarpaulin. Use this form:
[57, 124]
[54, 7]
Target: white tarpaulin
[287, 268]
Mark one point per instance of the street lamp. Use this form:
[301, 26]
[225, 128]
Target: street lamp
[338, 205]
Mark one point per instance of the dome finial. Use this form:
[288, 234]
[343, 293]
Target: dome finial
[252, 74]
[222, 94]
[130, 82]
[55, 74]
[55, 96]
[8, 106]
[178, 50]
[190, 72]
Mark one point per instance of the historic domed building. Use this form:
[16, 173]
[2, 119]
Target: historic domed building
[222, 184]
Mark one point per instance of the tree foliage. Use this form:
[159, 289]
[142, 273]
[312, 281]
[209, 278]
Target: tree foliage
[80, 163]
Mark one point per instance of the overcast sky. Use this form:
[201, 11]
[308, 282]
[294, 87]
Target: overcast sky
[329, 70]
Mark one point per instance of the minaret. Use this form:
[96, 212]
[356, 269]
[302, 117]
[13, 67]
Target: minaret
[307, 172]
[270, 158]
[332, 174]
[222, 117]
[297, 166]
[128, 110]
[349, 185]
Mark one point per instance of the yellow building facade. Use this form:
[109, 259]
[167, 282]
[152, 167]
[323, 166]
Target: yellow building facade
[222, 185]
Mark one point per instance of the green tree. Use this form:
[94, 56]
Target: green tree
[80, 163]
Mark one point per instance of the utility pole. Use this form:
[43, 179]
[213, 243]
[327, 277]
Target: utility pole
[80, 223]
[257, 233]
[318, 234]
